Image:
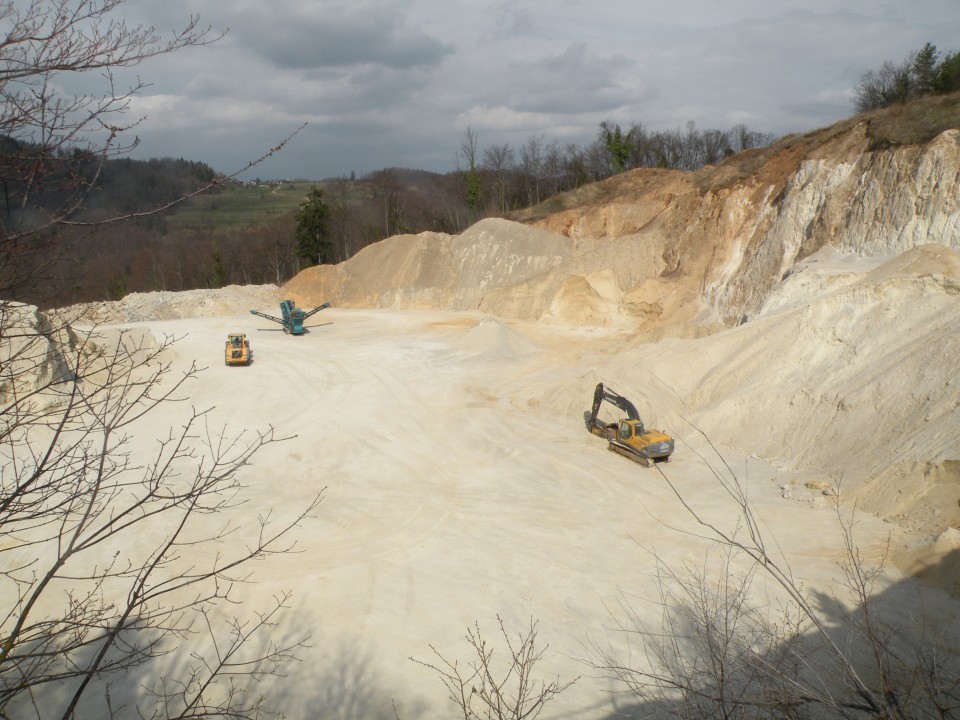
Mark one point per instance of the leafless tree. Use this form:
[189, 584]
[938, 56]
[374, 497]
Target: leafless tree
[341, 215]
[498, 160]
[281, 251]
[470, 174]
[554, 170]
[713, 653]
[106, 563]
[532, 163]
[53, 145]
[489, 688]
[884, 87]
[742, 138]
[111, 561]
[720, 652]
[715, 145]
[388, 189]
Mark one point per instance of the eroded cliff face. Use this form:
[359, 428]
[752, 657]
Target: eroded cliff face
[730, 239]
[876, 203]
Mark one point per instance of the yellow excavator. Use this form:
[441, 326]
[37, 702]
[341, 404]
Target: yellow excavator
[628, 437]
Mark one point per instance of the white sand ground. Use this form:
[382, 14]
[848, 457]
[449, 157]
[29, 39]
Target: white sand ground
[460, 484]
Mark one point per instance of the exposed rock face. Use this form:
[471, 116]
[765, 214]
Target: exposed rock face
[734, 238]
[877, 203]
[670, 253]
[31, 351]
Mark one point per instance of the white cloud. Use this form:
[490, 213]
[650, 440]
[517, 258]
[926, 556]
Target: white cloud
[385, 83]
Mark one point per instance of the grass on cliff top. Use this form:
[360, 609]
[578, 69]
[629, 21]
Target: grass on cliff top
[915, 122]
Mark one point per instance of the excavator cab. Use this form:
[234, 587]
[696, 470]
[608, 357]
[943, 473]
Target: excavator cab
[630, 429]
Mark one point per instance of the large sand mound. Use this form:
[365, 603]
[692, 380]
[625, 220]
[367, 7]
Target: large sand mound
[497, 267]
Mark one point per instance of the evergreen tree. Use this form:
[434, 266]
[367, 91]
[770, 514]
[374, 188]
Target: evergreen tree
[617, 145]
[948, 74]
[312, 234]
[219, 269]
[924, 70]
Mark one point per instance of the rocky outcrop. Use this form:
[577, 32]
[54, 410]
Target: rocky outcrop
[32, 354]
[732, 236]
[877, 203]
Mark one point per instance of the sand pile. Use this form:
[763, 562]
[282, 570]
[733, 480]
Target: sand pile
[496, 267]
[167, 305]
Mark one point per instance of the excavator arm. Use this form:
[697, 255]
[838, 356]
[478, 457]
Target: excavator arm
[602, 394]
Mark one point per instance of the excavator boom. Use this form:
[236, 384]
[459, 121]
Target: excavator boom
[601, 394]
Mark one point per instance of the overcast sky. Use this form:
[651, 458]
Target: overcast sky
[385, 83]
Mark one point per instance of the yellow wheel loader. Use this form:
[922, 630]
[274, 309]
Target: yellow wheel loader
[628, 437]
[237, 351]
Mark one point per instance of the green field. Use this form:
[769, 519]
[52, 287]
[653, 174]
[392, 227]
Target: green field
[241, 206]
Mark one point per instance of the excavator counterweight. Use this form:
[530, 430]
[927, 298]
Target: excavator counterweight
[628, 437]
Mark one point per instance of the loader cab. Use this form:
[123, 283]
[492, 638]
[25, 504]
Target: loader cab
[237, 349]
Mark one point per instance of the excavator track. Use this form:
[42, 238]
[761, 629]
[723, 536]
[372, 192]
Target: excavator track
[646, 462]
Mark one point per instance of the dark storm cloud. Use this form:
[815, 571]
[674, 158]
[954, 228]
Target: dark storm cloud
[320, 36]
[574, 80]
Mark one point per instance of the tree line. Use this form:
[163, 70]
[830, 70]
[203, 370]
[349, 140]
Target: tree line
[344, 215]
[924, 72]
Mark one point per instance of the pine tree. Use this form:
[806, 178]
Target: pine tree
[312, 234]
